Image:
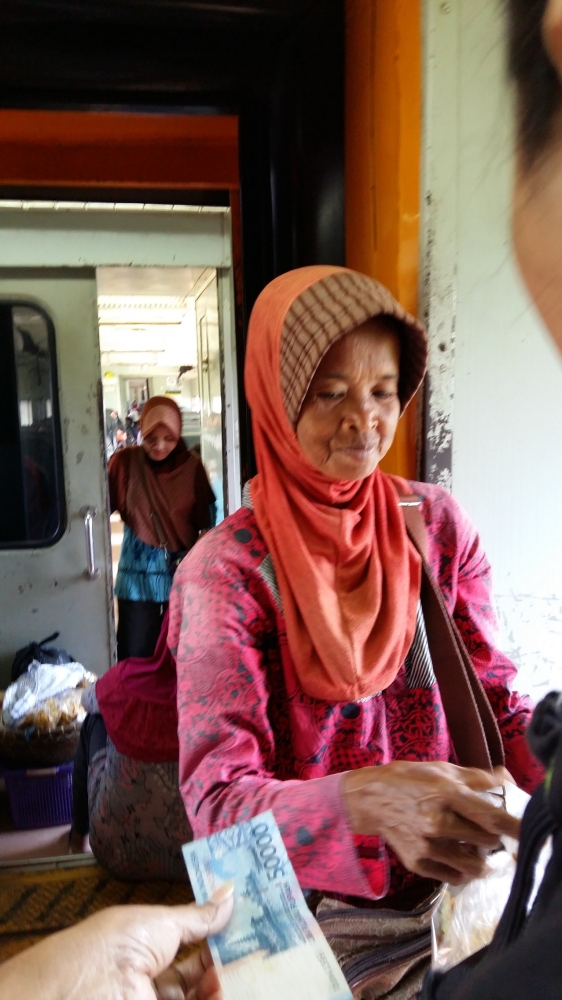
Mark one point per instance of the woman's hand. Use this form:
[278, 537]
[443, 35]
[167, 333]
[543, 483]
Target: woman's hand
[121, 954]
[431, 815]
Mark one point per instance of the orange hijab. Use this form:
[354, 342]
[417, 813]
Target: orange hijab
[348, 576]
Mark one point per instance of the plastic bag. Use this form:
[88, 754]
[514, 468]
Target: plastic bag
[39, 652]
[467, 916]
[59, 711]
[29, 700]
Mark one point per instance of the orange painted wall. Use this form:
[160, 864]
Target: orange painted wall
[113, 149]
[383, 143]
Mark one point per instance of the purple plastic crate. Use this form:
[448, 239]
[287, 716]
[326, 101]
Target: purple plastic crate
[40, 797]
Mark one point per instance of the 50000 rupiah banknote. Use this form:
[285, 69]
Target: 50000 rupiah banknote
[272, 946]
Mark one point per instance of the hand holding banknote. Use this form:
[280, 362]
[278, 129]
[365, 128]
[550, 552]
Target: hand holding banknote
[271, 946]
[120, 954]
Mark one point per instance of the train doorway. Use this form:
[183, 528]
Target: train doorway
[76, 290]
[159, 335]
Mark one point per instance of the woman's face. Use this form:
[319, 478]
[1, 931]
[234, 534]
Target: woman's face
[537, 235]
[350, 412]
[159, 443]
[537, 207]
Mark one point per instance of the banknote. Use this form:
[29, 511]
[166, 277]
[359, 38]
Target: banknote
[272, 946]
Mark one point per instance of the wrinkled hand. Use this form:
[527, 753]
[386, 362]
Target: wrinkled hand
[431, 815]
[122, 953]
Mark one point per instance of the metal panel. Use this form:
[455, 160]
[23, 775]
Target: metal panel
[47, 589]
[211, 385]
[233, 491]
[152, 237]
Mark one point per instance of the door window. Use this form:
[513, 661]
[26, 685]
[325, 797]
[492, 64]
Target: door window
[32, 506]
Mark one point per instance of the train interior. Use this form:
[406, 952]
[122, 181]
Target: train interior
[148, 330]
[140, 309]
[159, 164]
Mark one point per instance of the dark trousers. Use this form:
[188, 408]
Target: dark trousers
[139, 627]
[93, 737]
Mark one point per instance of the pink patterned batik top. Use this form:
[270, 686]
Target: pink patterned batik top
[251, 739]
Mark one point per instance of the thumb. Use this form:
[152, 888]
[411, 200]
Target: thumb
[482, 781]
[503, 775]
[195, 922]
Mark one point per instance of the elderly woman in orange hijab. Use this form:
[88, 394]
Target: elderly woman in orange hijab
[163, 495]
[305, 681]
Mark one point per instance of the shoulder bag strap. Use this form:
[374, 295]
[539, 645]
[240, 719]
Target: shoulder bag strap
[160, 533]
[472, 725]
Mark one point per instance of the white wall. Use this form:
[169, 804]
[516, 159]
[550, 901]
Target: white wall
[496, 397]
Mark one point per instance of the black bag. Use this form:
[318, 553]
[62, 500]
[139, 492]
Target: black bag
[42, 653]
[524, 959]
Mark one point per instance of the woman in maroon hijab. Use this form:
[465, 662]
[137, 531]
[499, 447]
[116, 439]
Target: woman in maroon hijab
[163, 495]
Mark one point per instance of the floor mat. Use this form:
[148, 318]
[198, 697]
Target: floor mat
[34, 903]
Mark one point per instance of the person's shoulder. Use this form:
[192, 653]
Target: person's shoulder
[443, 514]
[239, 528]
[226, 572]
[432, 495]
[123, 457]
[115, 462]
[234, 546]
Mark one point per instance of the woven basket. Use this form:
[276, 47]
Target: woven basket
[43, 748]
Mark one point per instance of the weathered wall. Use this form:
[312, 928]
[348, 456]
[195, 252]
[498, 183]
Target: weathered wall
[495, 397]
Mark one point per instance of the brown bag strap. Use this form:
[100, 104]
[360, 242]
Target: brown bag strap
[160, 533]
[472, 724]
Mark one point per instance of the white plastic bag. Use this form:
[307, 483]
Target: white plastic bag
[467, 917]
[41, 682]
